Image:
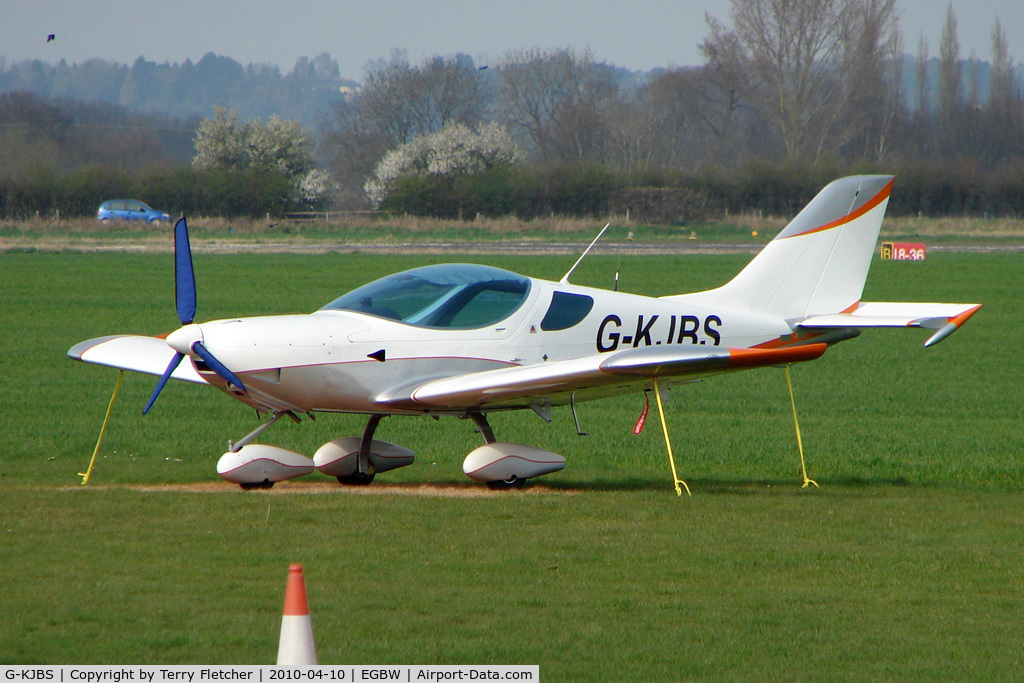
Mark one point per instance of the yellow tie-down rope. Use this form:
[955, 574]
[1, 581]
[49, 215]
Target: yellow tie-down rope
[85, 475]
[799, 441]
[676, 481]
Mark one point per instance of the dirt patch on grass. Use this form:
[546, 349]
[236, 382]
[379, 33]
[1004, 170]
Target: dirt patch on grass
[325, 488]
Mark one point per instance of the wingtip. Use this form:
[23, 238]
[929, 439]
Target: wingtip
[954, 324]
[940, 334]
[78, 350]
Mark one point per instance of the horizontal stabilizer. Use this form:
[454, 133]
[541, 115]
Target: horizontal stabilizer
[944, 318]
[148, 355]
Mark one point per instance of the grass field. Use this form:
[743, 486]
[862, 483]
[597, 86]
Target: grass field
[906, 563]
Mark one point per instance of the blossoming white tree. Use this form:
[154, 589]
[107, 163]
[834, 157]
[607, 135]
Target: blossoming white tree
[455, 149]
[282, 146]
[221, 142]
[314, 186]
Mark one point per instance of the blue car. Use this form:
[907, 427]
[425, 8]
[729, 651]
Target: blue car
[129, 210]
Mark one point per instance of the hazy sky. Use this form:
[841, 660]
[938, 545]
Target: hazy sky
[637, 34]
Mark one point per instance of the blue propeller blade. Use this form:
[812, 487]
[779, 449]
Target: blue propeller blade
[217, 366]
[184, 277]
[163, 380]
[185, 302]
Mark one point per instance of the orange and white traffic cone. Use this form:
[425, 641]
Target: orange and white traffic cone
[296, 645]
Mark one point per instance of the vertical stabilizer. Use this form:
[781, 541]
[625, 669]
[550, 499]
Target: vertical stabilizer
[819, 262]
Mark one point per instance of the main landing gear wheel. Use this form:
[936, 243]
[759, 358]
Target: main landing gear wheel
[253, 485]
[506, 485]
[356, 479]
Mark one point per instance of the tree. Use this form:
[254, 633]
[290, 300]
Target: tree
[558, 100]
[454, 150]
[806, 56]
[634, 133]
[141, 84]
[682, 118]
[949, 70]
[61, 135]
[1001, 86]
[951, 127]
[1002, 127]
[221, 142]
[405, 102]
[921, 71]
[872, 79]
[351, 145]
[215, 77]
[397, 103]
[278, 147]
[727, 87]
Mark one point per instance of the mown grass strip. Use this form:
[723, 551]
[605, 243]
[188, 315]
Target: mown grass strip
[741, 581]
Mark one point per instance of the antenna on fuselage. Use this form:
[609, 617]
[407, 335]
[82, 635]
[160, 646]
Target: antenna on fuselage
[565, 278]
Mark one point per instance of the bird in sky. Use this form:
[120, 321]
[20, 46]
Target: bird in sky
[50, 38]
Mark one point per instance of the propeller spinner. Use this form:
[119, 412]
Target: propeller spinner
[189, 337]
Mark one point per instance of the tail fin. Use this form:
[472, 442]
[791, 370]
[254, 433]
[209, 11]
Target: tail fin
[818, 264]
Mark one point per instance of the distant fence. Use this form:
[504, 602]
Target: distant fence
[333, 215]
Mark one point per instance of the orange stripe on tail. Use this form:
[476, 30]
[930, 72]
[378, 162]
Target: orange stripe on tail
[875, 201]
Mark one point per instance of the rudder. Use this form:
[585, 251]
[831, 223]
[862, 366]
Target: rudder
[818, 264]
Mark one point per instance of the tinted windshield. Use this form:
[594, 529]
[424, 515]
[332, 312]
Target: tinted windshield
[455, 295]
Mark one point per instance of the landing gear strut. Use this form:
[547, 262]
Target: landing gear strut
[480, 420]
[364, 468]
[234, 447]
[484, 427]
[259, 466]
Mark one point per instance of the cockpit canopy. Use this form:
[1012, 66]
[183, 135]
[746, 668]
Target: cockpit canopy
[451, 296]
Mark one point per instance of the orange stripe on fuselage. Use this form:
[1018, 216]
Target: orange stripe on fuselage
[874, 201]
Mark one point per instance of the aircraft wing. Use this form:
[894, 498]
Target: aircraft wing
[523, 384]
[945, 319]
[148, 355]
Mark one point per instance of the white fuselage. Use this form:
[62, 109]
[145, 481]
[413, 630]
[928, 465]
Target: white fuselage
[331, 360]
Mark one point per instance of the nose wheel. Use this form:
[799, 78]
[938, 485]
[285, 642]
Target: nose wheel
[506, 466]
[252, 486]
[356, 479]
[506, 484]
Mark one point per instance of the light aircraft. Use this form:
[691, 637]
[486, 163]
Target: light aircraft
[467, 340]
